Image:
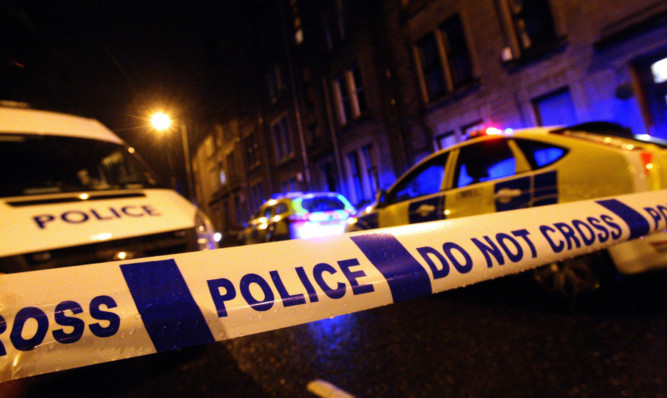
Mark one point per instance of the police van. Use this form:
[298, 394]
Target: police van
[72, 192]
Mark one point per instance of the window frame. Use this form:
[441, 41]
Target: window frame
[443, 64]
[442, 159]
[280, 134]
[475, 148]
[531, 159]
[349, 93]
[515, 52]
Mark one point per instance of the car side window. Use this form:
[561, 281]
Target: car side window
[485, 161]
[425, 180]
[540, 154]
[281, 208]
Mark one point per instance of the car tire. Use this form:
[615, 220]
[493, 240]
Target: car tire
[576, 276]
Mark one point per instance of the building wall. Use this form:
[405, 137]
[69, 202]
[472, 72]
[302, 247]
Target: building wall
[592, 66]
[599, 79]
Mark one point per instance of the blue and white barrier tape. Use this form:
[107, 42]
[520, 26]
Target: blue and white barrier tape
[70, 317]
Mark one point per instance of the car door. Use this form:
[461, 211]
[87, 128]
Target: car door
[418, 196]
[488, 176]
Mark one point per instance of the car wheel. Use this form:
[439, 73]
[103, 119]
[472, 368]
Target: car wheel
[572, 277]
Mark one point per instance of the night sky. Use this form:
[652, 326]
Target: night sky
[118, 60]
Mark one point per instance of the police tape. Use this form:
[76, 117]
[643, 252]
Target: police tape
[63, 318]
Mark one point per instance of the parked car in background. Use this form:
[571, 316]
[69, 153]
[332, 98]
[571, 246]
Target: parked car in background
[501, 170]
[72, 192]
[299, 215]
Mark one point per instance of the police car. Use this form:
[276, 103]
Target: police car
[501, 170]
[299, 215]
[72, 192]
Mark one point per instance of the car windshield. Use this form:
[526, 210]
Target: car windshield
[38, 164]
[322, 203]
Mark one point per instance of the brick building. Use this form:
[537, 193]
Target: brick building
[346, 95]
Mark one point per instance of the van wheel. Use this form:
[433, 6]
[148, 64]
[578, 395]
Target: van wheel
[575, 276]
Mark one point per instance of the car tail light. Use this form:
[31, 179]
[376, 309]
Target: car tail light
[647, 161]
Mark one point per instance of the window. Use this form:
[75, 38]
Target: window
[231, 166]
[532, 23]
[276, 85]
[444, 59]
[281, 208]
[288, 186]
[425, 180]
[349, 94]
[240, 216]
[485, 161]
[256, 195]
[209, 146]
[355, 174]
[431, 67]
[281, 139]
[540, 154]
[370, 170]
[555, 109]
[298, 28]
[357, 90]
[342, 99]
[458, 57]
[329, 176]
[470, 128]
[363, 179]
[251, 151]
[214, 179]
[334, 22]
[659, 71]
[222, 174]
[445, 140]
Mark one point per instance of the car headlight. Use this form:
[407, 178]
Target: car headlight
[206, 235]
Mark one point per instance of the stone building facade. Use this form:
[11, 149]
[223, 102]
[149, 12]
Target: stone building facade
[345, 95]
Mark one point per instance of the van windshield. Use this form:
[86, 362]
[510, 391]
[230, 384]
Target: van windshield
[41, 164]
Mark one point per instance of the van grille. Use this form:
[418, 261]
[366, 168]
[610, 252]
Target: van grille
[144, 246]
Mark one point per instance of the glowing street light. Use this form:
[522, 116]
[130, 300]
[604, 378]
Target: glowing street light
[160, 121]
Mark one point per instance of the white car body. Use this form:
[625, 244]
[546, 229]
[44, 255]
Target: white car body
[58, 224]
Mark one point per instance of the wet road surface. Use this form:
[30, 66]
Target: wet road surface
[497, 339]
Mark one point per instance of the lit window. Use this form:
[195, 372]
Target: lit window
[281, 139]
[659, 70]
[555, 109]
[532, 22]
[349, 94]
[445, 140]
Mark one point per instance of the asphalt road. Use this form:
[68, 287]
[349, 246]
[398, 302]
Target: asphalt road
[497, 339]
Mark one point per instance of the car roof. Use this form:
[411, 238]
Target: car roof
[38, 122]
[295, 195]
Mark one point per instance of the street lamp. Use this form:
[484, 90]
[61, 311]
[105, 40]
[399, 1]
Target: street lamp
[162, 122]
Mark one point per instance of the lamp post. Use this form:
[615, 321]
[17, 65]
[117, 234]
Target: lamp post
[162, 122]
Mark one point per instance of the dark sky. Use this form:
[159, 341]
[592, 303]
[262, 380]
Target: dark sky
[118, 60]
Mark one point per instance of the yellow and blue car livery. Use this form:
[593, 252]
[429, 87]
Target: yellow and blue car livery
[507, 170]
